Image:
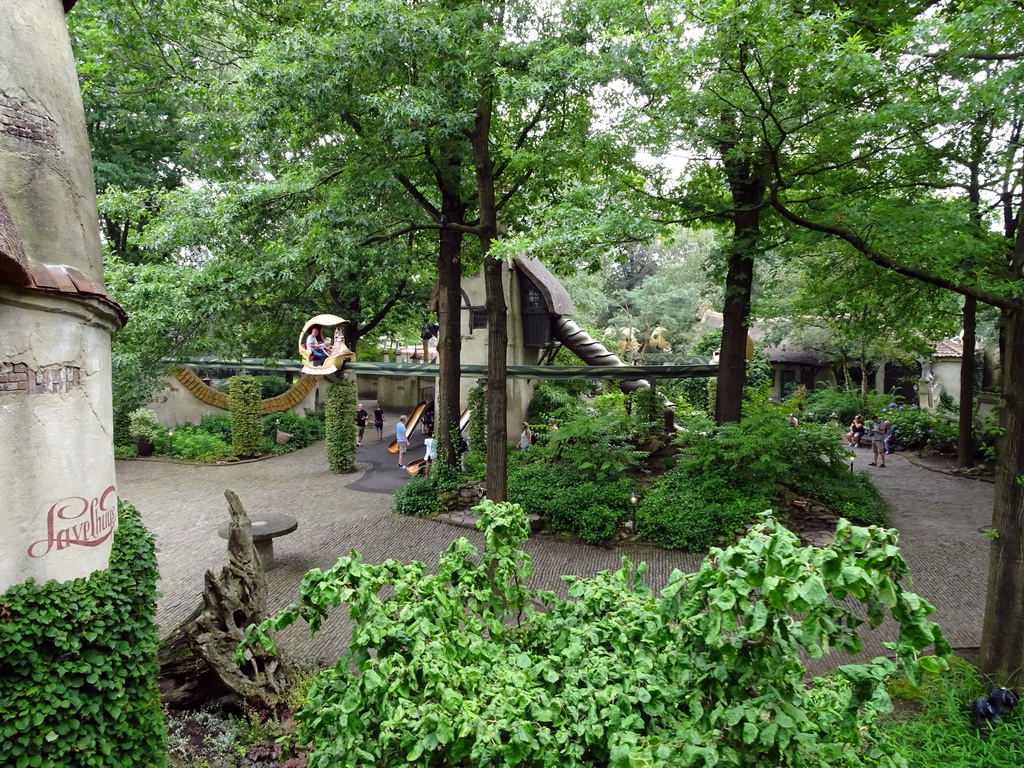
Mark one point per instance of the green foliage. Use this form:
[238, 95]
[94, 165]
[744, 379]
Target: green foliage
[455, 666]
[597, 447]
[218, 425]
[941, 733]
[648, 412]
[122, 428]
[194, 443]
[552, 401]
[144, 424]
[726, 476]
[569, 499]
[477, 404]
[417, 497]
[917, 428]
[369, 353]
[79, 664]
[125, 451]
[304, 430]
[244, 403]
[340, 426]
[272, 386]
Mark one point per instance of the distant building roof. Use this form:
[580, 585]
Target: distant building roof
[557, 298]
[949, 348]
[783, 352]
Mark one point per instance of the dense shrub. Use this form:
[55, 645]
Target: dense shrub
[725, 476]
[193, 443]
[648, 412]
[828, 403]
[218, 425]
[79, 664]
[417, 497]
[340, 426]
[143, 424]
[463, 665]
[244, 402]
[569, 501]
[272, 386]
[304, 430]
[551, 401]
[917, 428]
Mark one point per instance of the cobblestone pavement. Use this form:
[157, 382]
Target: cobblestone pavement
[939, 517]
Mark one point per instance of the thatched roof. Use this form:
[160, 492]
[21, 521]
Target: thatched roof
[557, 298]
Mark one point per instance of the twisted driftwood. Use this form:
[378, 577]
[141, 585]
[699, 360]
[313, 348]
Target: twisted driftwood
[197, 660]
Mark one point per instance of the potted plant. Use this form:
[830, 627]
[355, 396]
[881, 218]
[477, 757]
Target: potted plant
[143, 426]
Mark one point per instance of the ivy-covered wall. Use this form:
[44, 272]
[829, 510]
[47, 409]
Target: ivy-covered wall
[244, 397]
[340, 424]
[78, 664]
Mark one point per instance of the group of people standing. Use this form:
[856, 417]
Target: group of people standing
[378, 423]
[881, 434]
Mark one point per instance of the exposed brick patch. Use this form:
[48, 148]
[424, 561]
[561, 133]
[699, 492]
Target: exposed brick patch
[18, 378]
[22, 120]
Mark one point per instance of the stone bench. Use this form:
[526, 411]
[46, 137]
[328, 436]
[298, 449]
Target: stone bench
[265, 529]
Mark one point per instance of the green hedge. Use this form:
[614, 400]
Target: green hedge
[341, 426]
[244, 401]
[79, 664]
[417, 497]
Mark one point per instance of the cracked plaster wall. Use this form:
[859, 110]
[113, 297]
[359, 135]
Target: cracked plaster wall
[56, 454]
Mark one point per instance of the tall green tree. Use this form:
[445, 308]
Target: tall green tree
[859, 169]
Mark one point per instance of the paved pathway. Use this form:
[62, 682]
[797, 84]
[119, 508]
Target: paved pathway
[938, 516]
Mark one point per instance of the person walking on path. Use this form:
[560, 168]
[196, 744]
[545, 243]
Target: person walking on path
[403, 442]
[877, 442]
[378, 422]
[361, 417]
[526, 438]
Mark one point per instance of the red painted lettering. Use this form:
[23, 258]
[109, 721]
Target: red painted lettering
[75, 520]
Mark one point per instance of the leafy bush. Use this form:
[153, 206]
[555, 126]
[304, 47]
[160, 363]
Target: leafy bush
[304, 431]
[272, 386]
[244, 402]
[477, 404]
[916, 428]
[455, 666]
[570, 500]
[144, 424]
[828, 403]
[125, 451]
[648, 412]
[218, 425]
[196, 444]
[725, 476]
[417, 497]
[551, 401]
[340, 426]
[79, 664]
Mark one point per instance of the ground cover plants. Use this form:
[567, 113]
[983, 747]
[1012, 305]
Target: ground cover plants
[933, 728]
[456, 666]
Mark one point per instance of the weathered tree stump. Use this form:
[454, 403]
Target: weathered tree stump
[197, 660]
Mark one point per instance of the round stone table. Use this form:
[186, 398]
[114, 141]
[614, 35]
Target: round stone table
[265, 529]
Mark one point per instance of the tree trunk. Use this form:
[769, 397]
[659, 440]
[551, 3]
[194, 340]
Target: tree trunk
[449, 338]
[497, 309]
[965, 437]
[1002, 643]
[747, 195]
